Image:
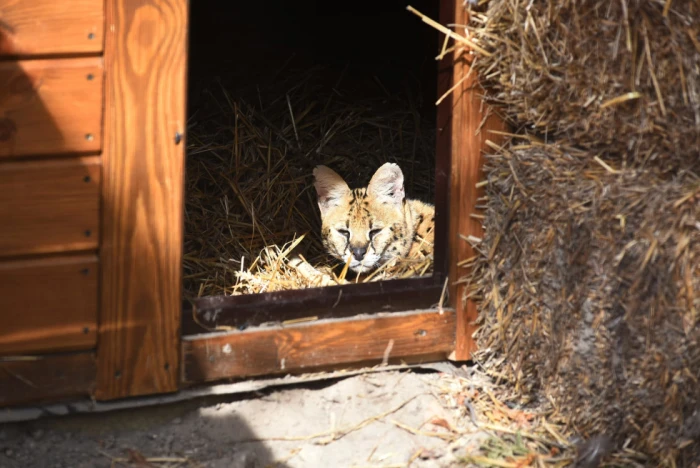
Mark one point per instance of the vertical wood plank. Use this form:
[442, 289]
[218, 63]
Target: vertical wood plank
[142, 234]
[470, 123]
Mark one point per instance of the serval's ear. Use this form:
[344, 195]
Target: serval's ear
[330, 188]
[387, 185]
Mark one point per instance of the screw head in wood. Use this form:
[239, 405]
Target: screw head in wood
[91, 36]
[89, 137]
[88, 233]
[86, 330]
[178, 138]
[87, 179]
[90, 77]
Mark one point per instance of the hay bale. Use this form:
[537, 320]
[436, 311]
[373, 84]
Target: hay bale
[589, 281]
[621, 78]
[249, 182]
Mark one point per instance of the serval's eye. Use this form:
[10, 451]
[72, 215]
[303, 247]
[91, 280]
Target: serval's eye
[344, 232]
[373, 233]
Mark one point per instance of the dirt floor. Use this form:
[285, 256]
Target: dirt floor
[380, 419]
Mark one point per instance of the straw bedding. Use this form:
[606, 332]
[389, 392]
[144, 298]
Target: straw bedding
[621, 78]
[250, 201]
[589, 278]
[589, 269]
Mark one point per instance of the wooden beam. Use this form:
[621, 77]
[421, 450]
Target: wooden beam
[49, 206]
[309, 346]
[143, 183]
[470, 123]
[32, 379]
[48, 304]
[42, 27]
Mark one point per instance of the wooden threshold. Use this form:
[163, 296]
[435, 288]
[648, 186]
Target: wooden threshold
[320, 344]
[31, 379]
[331, 302]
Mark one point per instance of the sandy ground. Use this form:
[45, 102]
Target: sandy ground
[381, 419]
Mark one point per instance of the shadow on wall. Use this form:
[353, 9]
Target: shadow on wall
[50, 107]
[26, 125]
[50, 115]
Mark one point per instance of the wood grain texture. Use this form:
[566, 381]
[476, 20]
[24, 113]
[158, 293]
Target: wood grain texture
[49, 206]
[46, 378]
[48, 304]
[142, 219]
[470, 124]
[50, 106]
[41, 27]
[313, 345]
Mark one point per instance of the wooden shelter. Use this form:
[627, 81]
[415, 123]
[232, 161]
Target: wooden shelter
[92, 151]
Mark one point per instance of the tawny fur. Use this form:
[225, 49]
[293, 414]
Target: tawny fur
[377, 218]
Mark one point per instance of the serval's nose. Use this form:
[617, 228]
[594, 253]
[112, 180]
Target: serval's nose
[359, 252]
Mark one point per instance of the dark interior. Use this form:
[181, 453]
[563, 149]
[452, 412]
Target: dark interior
[374, 49]
[246, 43]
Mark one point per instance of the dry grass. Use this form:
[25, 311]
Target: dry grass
[249, 191]
[589, 269]
[588, 280]
[618, 78]
[275, 270]
[513, 434]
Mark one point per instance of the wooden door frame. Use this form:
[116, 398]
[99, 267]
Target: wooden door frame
[465, 124]
[141, 321]
[138, 347]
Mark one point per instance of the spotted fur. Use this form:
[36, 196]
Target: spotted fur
[374, 224]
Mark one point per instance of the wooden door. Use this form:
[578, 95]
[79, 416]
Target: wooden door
[51, 98]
